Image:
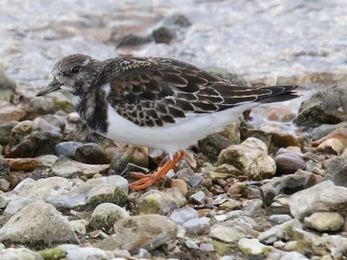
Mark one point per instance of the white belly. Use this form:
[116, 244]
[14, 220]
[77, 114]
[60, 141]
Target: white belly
[171, 137]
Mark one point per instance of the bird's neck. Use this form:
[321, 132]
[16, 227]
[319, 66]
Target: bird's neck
[92, 108]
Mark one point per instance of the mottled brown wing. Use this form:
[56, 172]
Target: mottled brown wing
[156, 91]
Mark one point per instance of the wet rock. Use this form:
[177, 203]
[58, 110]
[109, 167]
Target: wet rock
[181, 215]
[67, 149]
[280, 114]
[287, 184]
[7, 87]
[156, 202]
[250, 157]
[67, 168]
[279, 232]
[324, 107]
[22, 164]
[324, 196]
[19, 253]
[273, 140]
[134, 40]
[145, 231]
[288, 162]
[36, 223]
[178, 20]
[336, 169]
[5, 132]
[90, 153]
[197, 226]
[163, 35]
[324, 221]
[105, 215]
[252, 247]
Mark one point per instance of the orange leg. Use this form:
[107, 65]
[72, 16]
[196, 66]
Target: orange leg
[146, 180]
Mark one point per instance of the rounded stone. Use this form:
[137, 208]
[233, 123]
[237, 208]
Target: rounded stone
[67, 149]
[105, 215]
[325, 221]
[90, 153]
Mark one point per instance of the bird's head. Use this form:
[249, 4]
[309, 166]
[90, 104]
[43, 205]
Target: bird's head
[73, 75]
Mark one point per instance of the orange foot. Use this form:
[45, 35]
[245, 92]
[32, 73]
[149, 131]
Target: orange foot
[146, 180]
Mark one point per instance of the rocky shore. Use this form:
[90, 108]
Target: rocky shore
[272, 185]
[244, 193]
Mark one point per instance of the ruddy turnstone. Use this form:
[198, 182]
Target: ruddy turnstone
[155, 102]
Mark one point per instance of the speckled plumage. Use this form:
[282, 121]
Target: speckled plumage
[123, 96]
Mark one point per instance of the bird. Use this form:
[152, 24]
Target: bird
[155, 102]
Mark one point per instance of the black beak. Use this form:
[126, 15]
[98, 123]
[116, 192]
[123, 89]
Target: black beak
[53, 86]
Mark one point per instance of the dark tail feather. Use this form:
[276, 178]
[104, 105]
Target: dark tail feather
[279, 94]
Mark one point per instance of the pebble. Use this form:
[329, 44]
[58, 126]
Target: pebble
[198, 198]
[90, 153]
[22, 164]
[67, 149]
[10, 113]
[279, 232]
[280, 218]
[19, 253]
[105, 215]
[181, 215]
[252, 247]
[250, 157]
[287, 184]
[144, 231]
[197, 226]
[227, 234]
[325, 221]
[67, 168]
[324, 196]
[156, 202]
[288, 162]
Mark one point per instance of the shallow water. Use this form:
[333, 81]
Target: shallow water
[257, 39]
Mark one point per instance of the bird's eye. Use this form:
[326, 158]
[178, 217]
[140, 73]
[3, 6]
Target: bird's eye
[75, 69]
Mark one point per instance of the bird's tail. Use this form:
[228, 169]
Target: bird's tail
[279, 94]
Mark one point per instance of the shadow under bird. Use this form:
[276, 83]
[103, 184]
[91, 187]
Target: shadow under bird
[155, 102]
